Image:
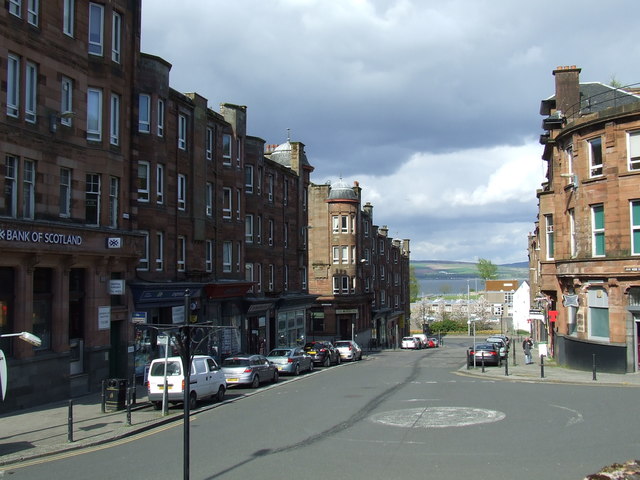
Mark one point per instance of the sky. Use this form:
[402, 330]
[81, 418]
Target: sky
[432, 106]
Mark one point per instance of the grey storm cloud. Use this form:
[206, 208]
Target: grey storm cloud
[431, 106]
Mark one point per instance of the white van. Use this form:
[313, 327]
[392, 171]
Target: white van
[207, 381]
[422, 338]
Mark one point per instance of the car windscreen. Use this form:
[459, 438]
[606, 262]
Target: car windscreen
[485, 346]
[236, 362]
[279, 353]
[157, 369]
[342, 344]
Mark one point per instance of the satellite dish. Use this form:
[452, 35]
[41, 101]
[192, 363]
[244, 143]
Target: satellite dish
[3, 374]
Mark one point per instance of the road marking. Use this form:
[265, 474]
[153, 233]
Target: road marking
[438, 417]
[575, 419]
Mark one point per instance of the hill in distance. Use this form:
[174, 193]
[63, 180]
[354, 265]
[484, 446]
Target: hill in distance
[453, 269]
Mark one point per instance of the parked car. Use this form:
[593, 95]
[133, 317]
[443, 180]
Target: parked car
[435, 341]
[422, 339]
[207, 380]
[502, 345]
[410, 343]
[291, 360]
[349, 350]
[323, 353]
[249, 370]
[488, 351]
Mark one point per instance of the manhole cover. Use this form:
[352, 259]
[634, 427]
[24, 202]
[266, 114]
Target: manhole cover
[438, 417]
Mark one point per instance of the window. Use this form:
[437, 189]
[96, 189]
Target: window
[143, 181]
[66, 100]
[271, 277]
[160, 183]
[10, 186]
[182, 253]
[595, 157]
[248, 228]
[209, 199]
[271, 226]
[209, 146]
[381, 246]
[238, 255]
[633, 149]
[28, 189]
[344, 224]
[65, 192]
[366, 228]
[182, 192]
[159, 251]
[114, 130]
[15, 7]
[238, 198]
[31, 89]
[345, 254]
[336, 254]
[270, 187]
[238, 150]
[248, 273]
[597, 229]
[345, 284]
[303, 278]
[336, 285]
[548, 220]
[285, 192]
[383, 297]
[92, 199]
[259, 229]
[227, 253]
[208, 258]
[13, 85]
[114, 193]
[635, 227]
[116, 37]
[285, 236]
[68, 17]
[248, 178]
[285, 283]
[143, 262]
[598, 301]
[182, 132]
[33, 8]
[226, 149]
[226, 203]
[96, 28]
[335, 221]
[94, 114]
[144, 113]
[572, 232]
[160, 119]
[259, 277]
[367, 256]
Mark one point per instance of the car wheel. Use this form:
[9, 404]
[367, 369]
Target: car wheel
[296, 371]
[311, 366]
[255, 383]
[327, 361]
[338, 359]
[193, 400]
[220, 394]
[275, 377]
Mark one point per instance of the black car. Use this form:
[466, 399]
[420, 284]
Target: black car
[323, 353]
[488, 352]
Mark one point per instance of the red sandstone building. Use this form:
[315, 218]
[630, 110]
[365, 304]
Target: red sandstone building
[585, 252]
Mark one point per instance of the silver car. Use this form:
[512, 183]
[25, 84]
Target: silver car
[291, 360]
[249, 370]
[349, 350]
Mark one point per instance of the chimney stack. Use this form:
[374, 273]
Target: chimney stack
[568, 90]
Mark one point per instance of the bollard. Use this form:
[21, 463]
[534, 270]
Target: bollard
[483, 361]
[129, 406]
[468, 360]
[506, 366]
[135, 393]
[541, 366]
[103, 399]
[514, 357]
[594, 367]
[70, 423]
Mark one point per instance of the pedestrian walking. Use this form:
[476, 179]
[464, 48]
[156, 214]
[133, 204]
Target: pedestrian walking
[526, 346]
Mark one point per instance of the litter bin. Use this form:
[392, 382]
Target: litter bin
[116, 394]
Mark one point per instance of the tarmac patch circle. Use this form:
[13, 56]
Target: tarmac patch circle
[438, 417]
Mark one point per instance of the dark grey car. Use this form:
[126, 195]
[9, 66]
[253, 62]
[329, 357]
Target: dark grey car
[249, 370]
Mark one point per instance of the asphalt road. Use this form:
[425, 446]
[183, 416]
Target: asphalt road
[403, 414]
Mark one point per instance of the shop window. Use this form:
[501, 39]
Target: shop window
[42, 299]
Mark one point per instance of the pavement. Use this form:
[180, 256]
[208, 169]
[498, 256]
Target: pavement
[28, 435]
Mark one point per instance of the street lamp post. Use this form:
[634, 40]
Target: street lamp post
[27, 337]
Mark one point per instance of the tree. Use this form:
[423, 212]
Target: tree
[414, 286]
[486, 269]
